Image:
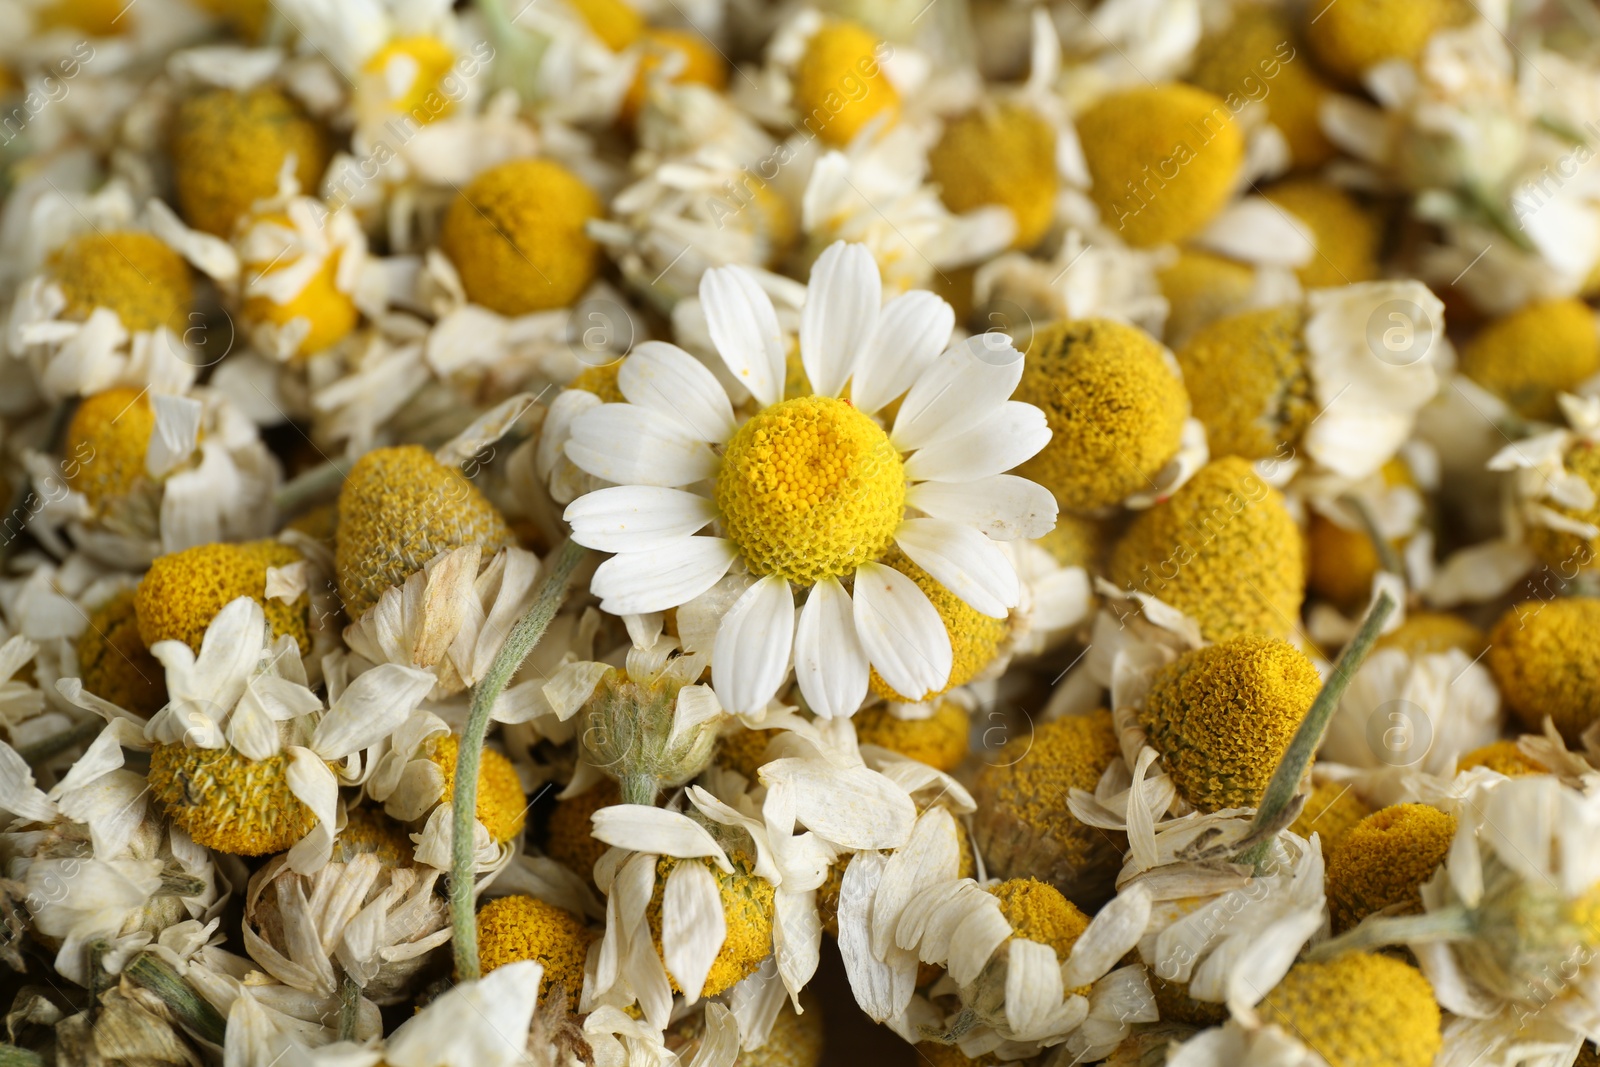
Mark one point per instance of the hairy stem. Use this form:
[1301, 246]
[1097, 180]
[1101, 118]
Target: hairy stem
[638, 789]
[349, 1008]
[187, 1006]
[308, 488]
[1450, 924]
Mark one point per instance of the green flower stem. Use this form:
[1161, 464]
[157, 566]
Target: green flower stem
[519, 642]
[1449, 924]
[349, 1008]
[1388, 558]
[12, 1056]
[639, 789]
[306, 489]
[188, 1007]
[1285, 783]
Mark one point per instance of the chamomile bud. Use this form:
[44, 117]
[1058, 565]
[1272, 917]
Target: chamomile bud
[1529, 357]
[1349, 38]
[1023, 826]
[1223, 550]
[1331, 810]
[228, 148]
[1249, 381]
[684, 57]
[940, 740]
[525, 928]
[227, 801]
[627, 731]
[399, 508]
[747, 915]
[1504, 757]
[1546, 662]
[1163, 159]
[1257, 51]
[183, 591]
[1383, 861]
[516, 236]
[113, 660]
[1358, 1010]
[839, 86]
[1115, 407]
[135, 274]
[1222, 717]
[1345, 234]
[976, 639]
[999, 154]
[1430, 632]
[111, 430]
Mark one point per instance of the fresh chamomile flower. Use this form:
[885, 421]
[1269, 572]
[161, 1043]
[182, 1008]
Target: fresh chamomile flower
[1348, 42]
[813, 491]
[1163, 160]
[400, 507]
[1222, 717]
[229, 147]
[1260, 46]
[1223, 550]
[114, 662]
[939, 740]
[1345, 234]
[1116, 408]
[516, 237]
[1383, 860]
[1531, 356]
[183, 592]
[1003, 152]
[1545, 665]
[526, 928]
[1022, 828]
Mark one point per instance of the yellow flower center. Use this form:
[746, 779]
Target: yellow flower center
[526, 928]
[328, 312]
[369, 832]
[1360, 1010]
[115, 664]
[1331, 811]
[134, 274]
[502, 805]
[975, 638]
[1532, 355]
[999, 155]
[746, 911]
[97, 18]
[839, 86]
[1503, 756]
[1383, 861]
[183, 591]
[940, 740]
[106, 443]
[810, 489]
[227, 801]
[407, 73]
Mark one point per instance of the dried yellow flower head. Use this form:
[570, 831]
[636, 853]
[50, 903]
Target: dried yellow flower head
[1544, 657]
[1505, 757]
[502, 805]
[328, 311]
[613, 21]
[228, 148]
[1076, 542]
[1383, 861]
[1114, 406]
[398, 509]
[106, 442]
[601, 381]
[369, 832]
[1359, 1010]
[1038, 912]
[1330, 811]
[1163, 159]
[135, 274]
[1348, 38]
[183, 591]
[1344, 560]
[569, 839]
[1564, 550]
[97, 18]
[516, 236]
[1201, 288]
[1222, 717]
[114, 663]
[940, 740]
[1224, 550]
[1428, 632]
[1023, 826]
[1256, 57]
[975, 638]
[526, 928]
[1248, 381]
[227, 801]
[839, 86]
[428, 60]
[693, 58]
[1346, 234]
[746, 909]
[746, 750]
[1528, 357]
[999, 154]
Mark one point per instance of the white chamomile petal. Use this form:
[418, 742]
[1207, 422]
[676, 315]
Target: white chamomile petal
[637, 518]
[692, 926]
[961, 389]
[370, 709]
[840, 315]
[829, 662]
[629, 444]
[1003, 506]
[641, 828]
[744, 328]
[963, 561]
[900, 630]
[1010, 435]
[670, 381]
[637, 582]
[751, 655]
[913, 330]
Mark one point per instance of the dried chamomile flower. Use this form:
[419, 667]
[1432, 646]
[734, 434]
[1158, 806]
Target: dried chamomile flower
[1260, 49]
[746, 902]
[1115, 407]
[1357, 36]
[114, 662]
[1503, 757]
[229, 147]
[135, 274]
[516, 237]
[112, 429]
[1545, 660]
[615, 22]
[1248, 380]
[296, 303]
[940, 740]
[1200, 288]
[839, 86]
[228, 801]
[673, 56]
[1342, 556]
[182, 592]
[398, 509]
[1000, 153]
[1529, 357]
[1382, 862]
[1222, 717]
[1023, 827]
[1223, 550]
[525, 928]
[502, 805]
[976, 639]
[1359, 1010]
[1346, 235]
[1331, 810]
[1163, 159]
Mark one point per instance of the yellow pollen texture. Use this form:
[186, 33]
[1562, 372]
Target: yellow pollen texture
[1564, 550]
[182, 592]
[329, 311]
[1002, 154]
[570, 840]
[1038, 912]
[114, 663]
[1504, 757]
[746, 911]
[526, 928]
[839, 86]
[228, 802]
[1383, 861]
[1223, 715]
[1358, 1010]
[1330, 811]
[502, 805]
[1345, 233]
[1348, 38]
[106, 443]
[1249, 383]
[1201, 288]
[601, 381]
[975, 638]
[1529, 356]
[811, 488]
[369, 832]
[940, 740]
[1545, 658]
[135, 274]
